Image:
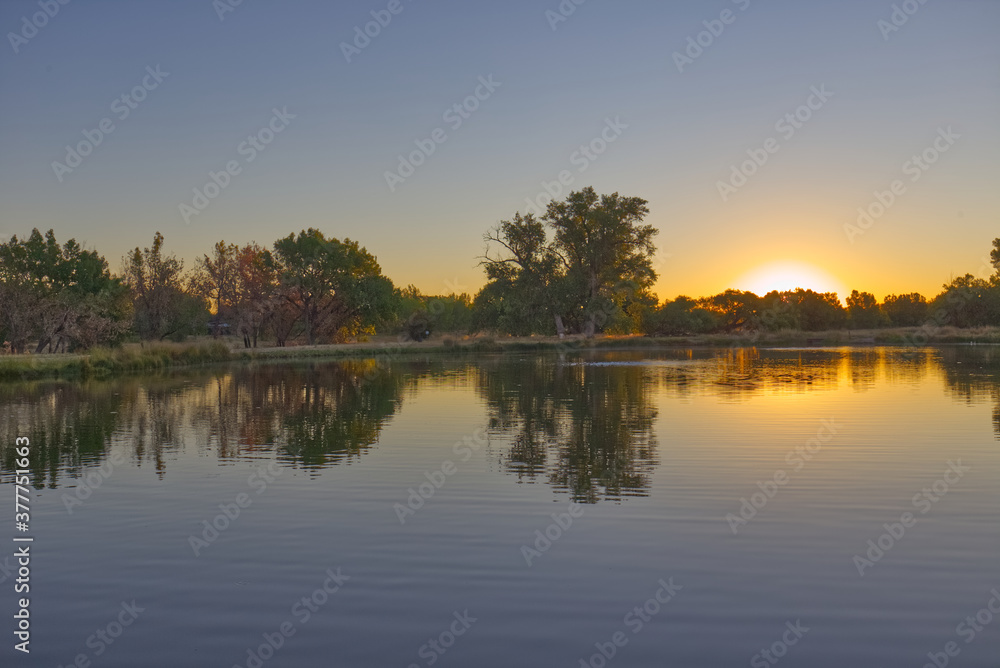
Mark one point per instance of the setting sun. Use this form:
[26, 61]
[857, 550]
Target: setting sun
[789, 275]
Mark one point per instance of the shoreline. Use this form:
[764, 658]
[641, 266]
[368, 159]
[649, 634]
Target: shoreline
[139, 358]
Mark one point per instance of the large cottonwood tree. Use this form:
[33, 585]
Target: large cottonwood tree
[335, 287]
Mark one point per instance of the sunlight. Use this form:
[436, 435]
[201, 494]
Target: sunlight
[789, 275]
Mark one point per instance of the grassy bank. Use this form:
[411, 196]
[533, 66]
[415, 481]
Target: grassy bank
[104, 363]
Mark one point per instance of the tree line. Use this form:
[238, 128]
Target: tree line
[308, 286]
[583, 267]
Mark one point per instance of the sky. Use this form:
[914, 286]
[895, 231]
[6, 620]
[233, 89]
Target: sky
[759, 132]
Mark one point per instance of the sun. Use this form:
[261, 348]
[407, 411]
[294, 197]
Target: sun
[789, 275]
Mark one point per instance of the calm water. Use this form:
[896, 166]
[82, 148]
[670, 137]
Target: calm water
[635, 464]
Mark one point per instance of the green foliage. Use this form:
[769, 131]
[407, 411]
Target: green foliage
[420, 315]
[733, 310]
[594, 275]
[164, 309]
[818, 310]
[521, 296]
[968, 302]
[682, 317]
[910, 310]
[863, 311]
[61, 295]
[336, 288]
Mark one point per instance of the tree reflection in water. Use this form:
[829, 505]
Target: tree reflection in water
[584, 428]
[582, 423]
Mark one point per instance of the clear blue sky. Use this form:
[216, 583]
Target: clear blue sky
[891, 93]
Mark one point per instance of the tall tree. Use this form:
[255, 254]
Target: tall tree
[606, 250]
[336, 287]
[521, 296]
[162, 306]
[216, 278]
[594, 274]
[863, 311]
[257, 284]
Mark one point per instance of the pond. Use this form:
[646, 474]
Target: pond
[707, 507]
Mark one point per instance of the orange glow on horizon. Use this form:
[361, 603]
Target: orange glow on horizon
[790, 275]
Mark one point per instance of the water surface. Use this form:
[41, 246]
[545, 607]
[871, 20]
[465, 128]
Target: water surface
[426, 487]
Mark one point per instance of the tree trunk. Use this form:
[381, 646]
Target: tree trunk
[42, 343]
[590, 326]
[309, 325]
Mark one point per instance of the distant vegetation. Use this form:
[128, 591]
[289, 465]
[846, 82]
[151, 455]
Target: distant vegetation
[593, 275]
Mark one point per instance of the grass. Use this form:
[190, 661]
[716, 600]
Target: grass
[134, 358]
[103, 362]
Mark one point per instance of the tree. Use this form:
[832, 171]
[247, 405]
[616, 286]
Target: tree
[735, 309]
[522, 271]
[863, 311]
[908, 310]
[420, 314]
[20, 292]
[606, 251]
[682, 317]
[62, 294]
[216, 279]
[257, 285]
[777, 311]
[817, 310]
[162, 307]
[594, 275]
[967, 302]
[336, 287]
